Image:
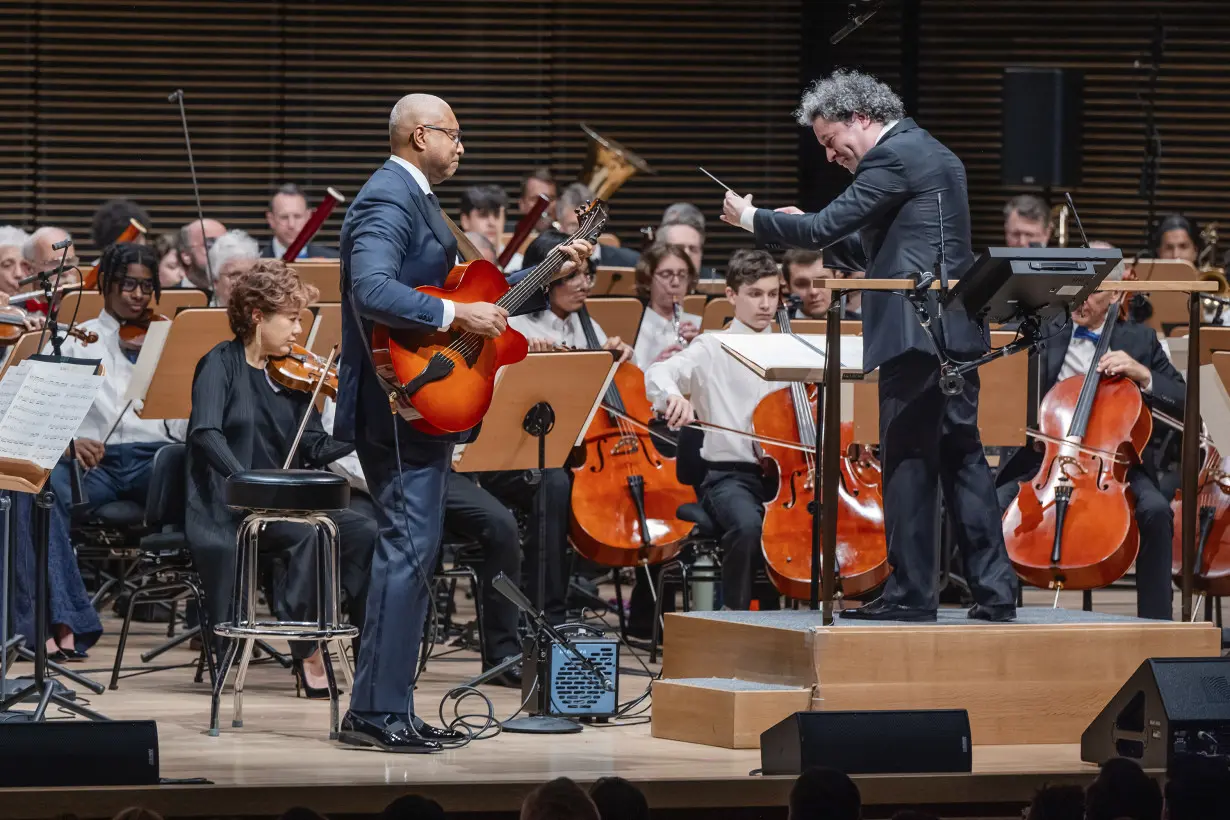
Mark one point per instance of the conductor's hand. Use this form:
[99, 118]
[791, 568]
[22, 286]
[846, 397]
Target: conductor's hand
[577, 252]
[733, 208]
[678, 412]
[616, 343]
[89, 452]
[1118, 363]
[789, 209]
[482, 318]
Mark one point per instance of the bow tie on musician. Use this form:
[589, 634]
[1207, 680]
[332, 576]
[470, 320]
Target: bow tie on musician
[1135, 354]
[244, 419]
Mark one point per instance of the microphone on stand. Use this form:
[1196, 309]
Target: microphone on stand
[856, 21]
[62, 244]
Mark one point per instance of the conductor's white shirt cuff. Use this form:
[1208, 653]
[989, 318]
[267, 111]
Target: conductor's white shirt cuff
[747, 220]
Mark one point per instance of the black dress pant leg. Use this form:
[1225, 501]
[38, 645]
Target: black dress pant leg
[911, 422]
[969, 490]
[735, 501]
[1155, 520]
[471, 511]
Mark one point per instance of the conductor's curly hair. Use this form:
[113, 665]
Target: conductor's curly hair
[270, 287]
[115, 259]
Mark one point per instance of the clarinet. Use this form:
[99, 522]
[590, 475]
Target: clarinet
[677, 320]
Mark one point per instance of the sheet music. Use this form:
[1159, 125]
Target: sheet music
[11, 383]
[785, 357]
[46, 410]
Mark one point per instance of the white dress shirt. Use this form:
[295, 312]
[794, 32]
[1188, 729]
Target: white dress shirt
[279, 250]
[450, 310]
[132, 429]
[656, 334]
[722, 391]
[747, 219]
[1079, 356]
[546, 325]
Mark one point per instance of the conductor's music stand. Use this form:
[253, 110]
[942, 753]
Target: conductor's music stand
[540, 410]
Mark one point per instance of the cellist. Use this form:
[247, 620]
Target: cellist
[702, 380]
[1135, 353]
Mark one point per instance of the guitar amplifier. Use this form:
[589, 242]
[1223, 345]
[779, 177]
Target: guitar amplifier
[554, 683]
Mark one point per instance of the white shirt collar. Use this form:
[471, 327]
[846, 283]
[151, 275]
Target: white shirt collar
[736, 326]
[279, 250]
[888, 126]
[418, 175]
[107, 322]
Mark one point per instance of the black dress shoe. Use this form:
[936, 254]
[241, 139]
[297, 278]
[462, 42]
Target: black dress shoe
[389, 733]
[997, 614]
[879, 610]
[510, 677]
[75, 655]
[429, 732]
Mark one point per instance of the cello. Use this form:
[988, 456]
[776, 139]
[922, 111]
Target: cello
[625, 493]
[862, 551]
[1072, 526]
[1211, 569]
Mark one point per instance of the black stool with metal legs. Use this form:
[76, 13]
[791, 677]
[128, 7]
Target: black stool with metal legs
[303, 497]
[684, 570]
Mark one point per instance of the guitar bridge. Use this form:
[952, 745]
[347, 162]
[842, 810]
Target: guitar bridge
[438, 367]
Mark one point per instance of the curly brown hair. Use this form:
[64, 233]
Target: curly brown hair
[270, 287]
[652, 257]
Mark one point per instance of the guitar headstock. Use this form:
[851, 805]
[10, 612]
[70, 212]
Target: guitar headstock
[591, 219]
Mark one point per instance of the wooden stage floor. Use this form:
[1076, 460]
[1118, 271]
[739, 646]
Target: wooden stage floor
[282, 757]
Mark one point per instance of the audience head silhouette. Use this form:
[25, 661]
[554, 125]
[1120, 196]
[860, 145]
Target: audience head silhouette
[825, 794]
[1058, 803]
[1121, 790]
[561, 799]
[1198, 788]
[412, 807]
[617, 799]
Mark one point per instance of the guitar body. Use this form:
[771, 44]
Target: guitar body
[456, 370]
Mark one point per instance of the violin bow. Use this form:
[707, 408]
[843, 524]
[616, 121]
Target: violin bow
[324, 374]
[704, 425]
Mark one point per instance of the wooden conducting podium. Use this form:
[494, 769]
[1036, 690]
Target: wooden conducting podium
[1191, 420]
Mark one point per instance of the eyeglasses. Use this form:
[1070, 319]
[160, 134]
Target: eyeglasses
[129, 285]
[671, 276]
[579, 279]
[453, 133]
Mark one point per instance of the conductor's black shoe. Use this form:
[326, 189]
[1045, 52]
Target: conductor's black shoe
[998, 614]
[429, 732]
[388, 733]
[880, 610]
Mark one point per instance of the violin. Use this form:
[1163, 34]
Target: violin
[13, 326]
[1072, 525]
[625, 493]
[862, 550]
[301, 369]
[89, 276]
[132, 331]
[1211, 569]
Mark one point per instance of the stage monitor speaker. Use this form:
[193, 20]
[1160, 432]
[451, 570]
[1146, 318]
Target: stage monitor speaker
[888, 742]
[1042, 123]
[1168, 708]
[79, 753]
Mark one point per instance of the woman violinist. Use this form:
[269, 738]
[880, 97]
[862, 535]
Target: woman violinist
[242, 420]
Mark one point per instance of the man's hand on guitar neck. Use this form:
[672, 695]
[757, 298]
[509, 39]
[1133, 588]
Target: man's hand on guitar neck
[577, 252]
[482, 318]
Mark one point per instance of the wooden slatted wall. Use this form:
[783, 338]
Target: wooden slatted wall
[962, 56]
[301, 91]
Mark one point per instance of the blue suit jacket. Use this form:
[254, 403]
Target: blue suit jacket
[393, 240]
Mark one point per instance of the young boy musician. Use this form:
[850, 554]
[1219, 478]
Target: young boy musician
[703, 381]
